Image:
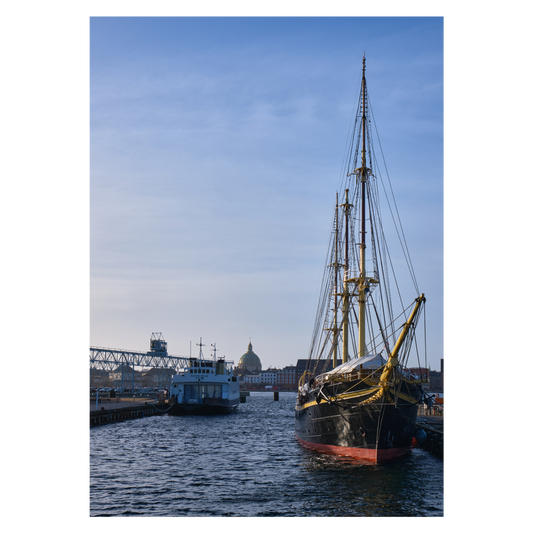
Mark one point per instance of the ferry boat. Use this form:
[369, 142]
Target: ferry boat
[205, 387]
[366, 406]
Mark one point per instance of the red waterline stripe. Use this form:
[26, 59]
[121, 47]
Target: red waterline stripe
[357, 453]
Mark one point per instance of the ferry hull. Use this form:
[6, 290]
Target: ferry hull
[375, 432]
[213, 407]
[204, 387]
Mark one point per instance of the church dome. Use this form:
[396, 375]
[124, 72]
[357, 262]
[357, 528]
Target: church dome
[250, 360]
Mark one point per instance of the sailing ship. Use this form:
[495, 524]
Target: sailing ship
[365, 406]
[205, 387]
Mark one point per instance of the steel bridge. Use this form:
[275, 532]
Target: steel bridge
[126, 362]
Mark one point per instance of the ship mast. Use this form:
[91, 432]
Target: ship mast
[346, 292]
[362, 284]
[335, 328]
[200, 344]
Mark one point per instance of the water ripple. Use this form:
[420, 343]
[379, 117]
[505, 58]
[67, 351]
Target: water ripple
[247, 463]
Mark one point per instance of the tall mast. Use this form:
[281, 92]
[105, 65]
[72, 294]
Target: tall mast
[362, 276]
[362, 283]
[335, 329]
[346, 293]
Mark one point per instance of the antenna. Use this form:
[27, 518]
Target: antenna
[200, 344]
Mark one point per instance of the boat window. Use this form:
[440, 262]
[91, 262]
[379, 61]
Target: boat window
[198, 392]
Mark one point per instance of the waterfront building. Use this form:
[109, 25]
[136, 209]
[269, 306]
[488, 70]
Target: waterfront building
[124, 376]
[252, 378]
[287, 377]
[284, 377]
[422, 373]
[270, 376]
[322, 366]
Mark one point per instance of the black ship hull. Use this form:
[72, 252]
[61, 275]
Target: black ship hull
[210, 406]
[378, 431]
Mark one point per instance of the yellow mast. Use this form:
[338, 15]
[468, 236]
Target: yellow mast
[335, 328]
[362, 285]
[362, 282]
[346, 292]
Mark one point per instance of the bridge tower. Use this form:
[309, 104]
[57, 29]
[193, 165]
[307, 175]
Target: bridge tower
[158, 343]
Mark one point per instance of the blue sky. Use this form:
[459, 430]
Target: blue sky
[216, 151]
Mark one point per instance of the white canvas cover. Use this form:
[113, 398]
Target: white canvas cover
[372, 360]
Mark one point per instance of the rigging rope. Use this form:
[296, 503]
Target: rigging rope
[401, 234]
[381, 304]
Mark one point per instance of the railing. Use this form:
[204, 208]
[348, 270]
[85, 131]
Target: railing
[435, 410]
[354, 274]
[118, 395]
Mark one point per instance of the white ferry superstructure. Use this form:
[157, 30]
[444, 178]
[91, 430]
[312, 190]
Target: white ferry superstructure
[205, 387]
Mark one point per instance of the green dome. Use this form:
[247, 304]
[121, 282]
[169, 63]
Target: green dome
[250, 360]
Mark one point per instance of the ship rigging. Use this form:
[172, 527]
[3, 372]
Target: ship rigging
[357, 332]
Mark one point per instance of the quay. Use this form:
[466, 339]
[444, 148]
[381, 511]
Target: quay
[120, 408]
[434, 429]
[111, 410]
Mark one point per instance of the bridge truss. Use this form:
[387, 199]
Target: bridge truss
[125, 363]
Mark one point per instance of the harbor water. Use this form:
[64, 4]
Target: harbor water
[248, 464]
